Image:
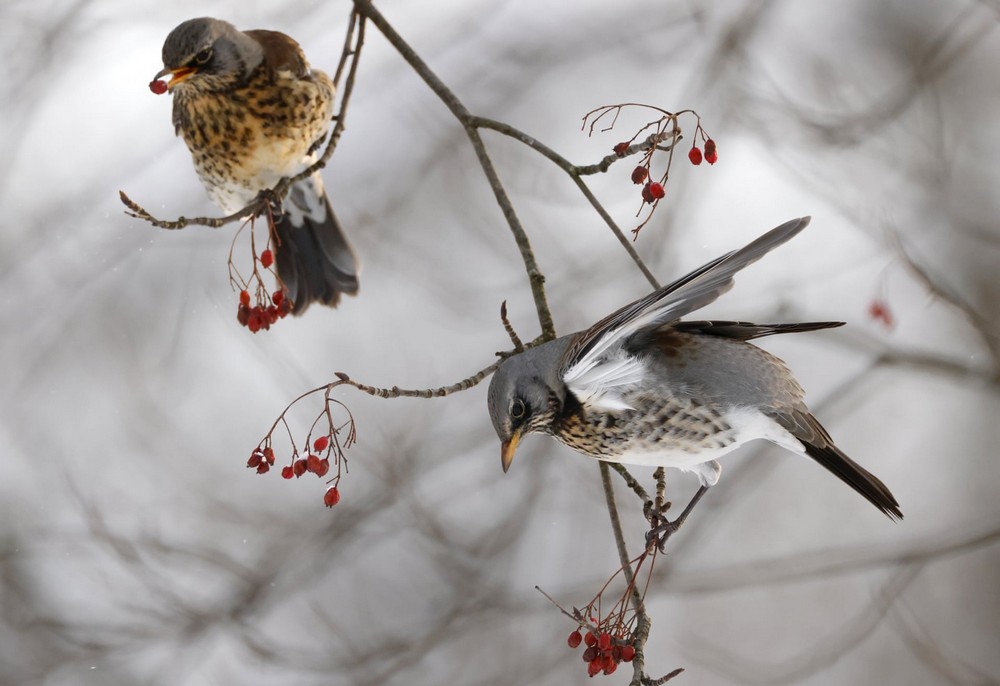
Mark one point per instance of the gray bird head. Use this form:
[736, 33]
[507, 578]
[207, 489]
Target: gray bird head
[208, 54]
[525, 395]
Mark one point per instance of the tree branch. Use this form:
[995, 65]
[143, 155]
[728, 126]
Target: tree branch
[536, 279]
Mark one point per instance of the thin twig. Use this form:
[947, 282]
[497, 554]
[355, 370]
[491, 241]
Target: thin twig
[643, 623]
[397, 392]
[575, 172]
[631, 481]
[982, 326]
[514, 338]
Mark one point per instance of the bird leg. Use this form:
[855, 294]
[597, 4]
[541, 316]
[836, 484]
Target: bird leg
[662, 528]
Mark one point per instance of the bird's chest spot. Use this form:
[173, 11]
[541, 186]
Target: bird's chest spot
[244, 140]
[656, 424]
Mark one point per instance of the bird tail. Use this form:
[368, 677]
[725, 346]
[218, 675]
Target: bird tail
[314, 260]
[819, 446]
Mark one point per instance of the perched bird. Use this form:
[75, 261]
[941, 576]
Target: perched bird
[252, 112]
[643, 387]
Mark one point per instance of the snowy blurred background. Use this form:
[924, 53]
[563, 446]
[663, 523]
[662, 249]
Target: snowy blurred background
[135, 546]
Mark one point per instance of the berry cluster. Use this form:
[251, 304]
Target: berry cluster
[315, 462]
[266, 308]
[312, 462]
[261, 460]
[711, 151]
[652, 190]
[603, 652]
[661, 136]
[263, 313]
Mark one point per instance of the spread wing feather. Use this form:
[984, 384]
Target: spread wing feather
[596, 367]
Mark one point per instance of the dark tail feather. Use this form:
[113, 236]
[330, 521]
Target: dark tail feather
[819, 446]
[745, 331]
[857, 477]
[314, 261]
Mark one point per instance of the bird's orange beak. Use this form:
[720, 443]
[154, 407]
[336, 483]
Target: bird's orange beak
[178, 75]
[507, 450]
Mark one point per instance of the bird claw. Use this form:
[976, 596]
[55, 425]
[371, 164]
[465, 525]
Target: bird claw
[269, 201]
[662, 528]
[660, 531]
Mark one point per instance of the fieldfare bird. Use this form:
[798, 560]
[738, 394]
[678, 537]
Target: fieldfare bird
[252, 112]
[643, 387]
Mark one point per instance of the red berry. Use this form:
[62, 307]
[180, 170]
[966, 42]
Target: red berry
[621, 149]
[879, 311]
[277, 297]
[628, 652]
[604, 641]
[266, 259]
[243, 314]
[271, 315]
[254, 321]
[324, 467]
[263, 468]
[158, 87]
[609, 665]
[652, 192]
[591, 654]
[589, 639]
[256, 457]
[287, 472]
[245, 298]
[574, 639]
[639, 174]
[312, 463]
[711, 153]
[320, 444]
[299, 467]
[695, 155]
[594, 668]
[269, 455]
[331, 497]
[616, 653]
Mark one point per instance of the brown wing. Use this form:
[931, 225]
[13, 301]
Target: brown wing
[281, 52]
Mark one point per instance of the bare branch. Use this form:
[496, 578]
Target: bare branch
[397, 392]
[575, 172]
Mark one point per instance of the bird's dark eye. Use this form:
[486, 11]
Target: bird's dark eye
[518, 409]
[203, 56]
